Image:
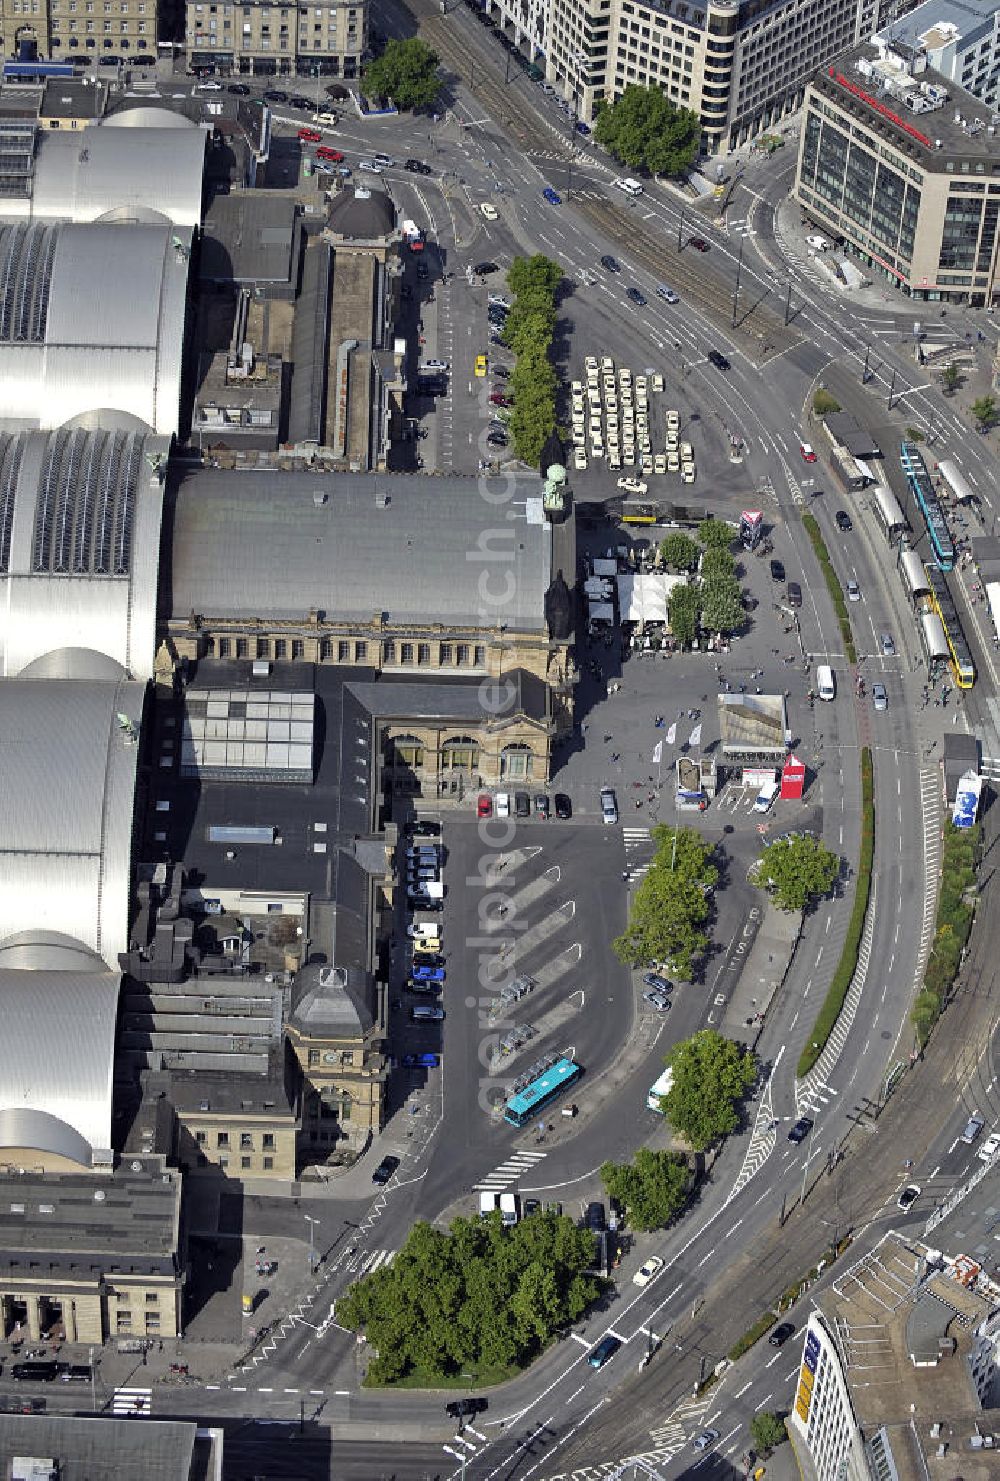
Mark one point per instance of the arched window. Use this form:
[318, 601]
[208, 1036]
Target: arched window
[460, 753]
[517, 762]
[406, 750]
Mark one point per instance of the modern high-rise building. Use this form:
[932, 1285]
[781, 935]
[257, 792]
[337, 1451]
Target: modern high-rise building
[960, 41]
[902, 166]
[325, 40]
[741, 64]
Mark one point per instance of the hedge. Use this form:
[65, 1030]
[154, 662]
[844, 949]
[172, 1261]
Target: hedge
[956, 908]
[834, 1001]
[752, 1336]
[832, 585]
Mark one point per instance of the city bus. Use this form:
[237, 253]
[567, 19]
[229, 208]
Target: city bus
[656, 1092]
[532, 1098]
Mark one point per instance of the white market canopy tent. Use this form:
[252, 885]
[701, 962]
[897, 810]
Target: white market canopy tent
[644, 598]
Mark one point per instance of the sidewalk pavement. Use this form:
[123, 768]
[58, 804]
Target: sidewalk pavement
[764, 970]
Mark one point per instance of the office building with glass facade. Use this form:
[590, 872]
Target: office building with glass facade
[902, 167]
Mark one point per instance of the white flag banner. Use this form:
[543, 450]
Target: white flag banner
[695, 736]
[657, 753]
[672, 734]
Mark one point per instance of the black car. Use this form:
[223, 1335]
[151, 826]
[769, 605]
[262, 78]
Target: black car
[483, 269]
[501, 372]
[429, 989]
[416, 167]
[794, 594]
[424, 902]
[522, 805]
[595, 1217]
[718, 360]
[497, 439]
[699, 244]
[611, 263]
[385, 1170]
[275, 95]
[428, 958]
[298, 101]
[777, 571]
[781, 1333]
[459, 1407]
[800, 1130]
[424, 828]
[530, 1206]
[432, 385]
[238, 89]
[635, 295]
[564, 808]
[843, 520]
[497, 317]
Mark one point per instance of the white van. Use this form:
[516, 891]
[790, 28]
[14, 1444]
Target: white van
[487, 1204]
[766, 795]
[630, 186]
[508, 1210]
[826, 686]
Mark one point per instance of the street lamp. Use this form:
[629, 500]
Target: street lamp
[312, 1249]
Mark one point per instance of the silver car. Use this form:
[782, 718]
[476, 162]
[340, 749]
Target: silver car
[879, 697]
[609, 805]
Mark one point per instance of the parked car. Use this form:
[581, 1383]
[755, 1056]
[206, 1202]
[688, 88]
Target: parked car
[794, 594]
[522, 805]
[653, 979]
[425, 828]
[334, 156]
[595, 1217]
[385, 1170]
[483, 269]
[777, 571]
[879, 697]
[989, 1147]
[800, 1130]
[502, 804]
[564, 808]
[609, 805]
[541, 805]
[780, 1334]
[843, 520]
[633, 485]
[490, 212]
[428, 973]
[484, 806]
[908, 1195]
[657, 999]
[312, 136]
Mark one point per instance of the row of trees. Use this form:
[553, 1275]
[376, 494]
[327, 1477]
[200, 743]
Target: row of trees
[672, 903]
[476, 1300]
[645, 131]
[533, 281]
[715, 602]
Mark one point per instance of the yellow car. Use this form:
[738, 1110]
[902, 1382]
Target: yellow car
[480, 366]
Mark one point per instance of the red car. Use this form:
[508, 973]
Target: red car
[499, 399]
[325, 152]
[310, 136]
[485, 805]
[808, 452]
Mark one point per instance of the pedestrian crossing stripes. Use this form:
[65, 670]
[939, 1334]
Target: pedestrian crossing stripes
[508, 1172]
[374, 1260]
[134, 1402]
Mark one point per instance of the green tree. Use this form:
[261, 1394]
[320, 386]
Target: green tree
[768, 1430]
[795, 869]
[653, 1188]
[679, 551]
[476, 1298]
[711, 1078]
[717, 562]
[984, 410]
[406, 72]
[824, 404]
[671, 903]
[683, 606]
[715, 534]
[951, 379]
[644, 130]
[722, 605]
[528, 274]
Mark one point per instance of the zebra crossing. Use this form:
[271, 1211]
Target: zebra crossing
[638, 852]
[509, 1172]
[132, 1403]
[370, 1261]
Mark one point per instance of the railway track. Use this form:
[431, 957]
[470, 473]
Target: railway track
[760, 331]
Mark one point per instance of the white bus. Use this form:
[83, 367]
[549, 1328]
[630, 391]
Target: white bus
[662, 1086]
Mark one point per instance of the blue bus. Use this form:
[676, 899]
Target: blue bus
[922, 488]
[532, 1098]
